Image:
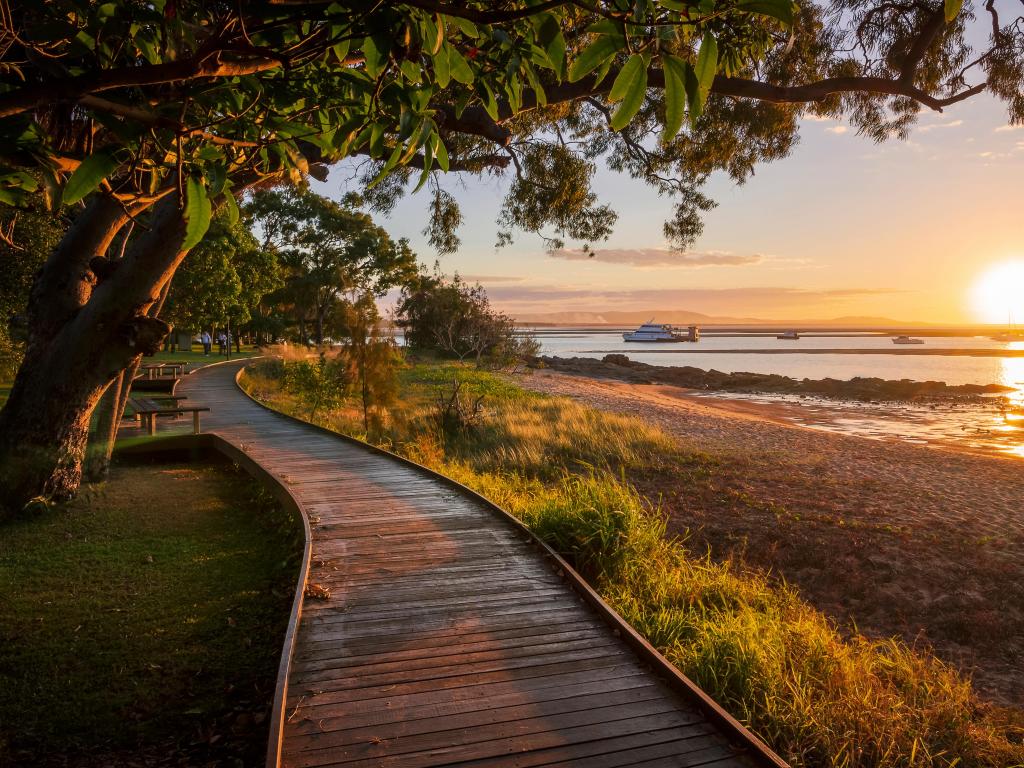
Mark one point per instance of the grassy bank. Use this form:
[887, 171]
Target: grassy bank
[143, 622]
[771, 659]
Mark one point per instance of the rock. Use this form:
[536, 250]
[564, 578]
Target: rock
[616, 359]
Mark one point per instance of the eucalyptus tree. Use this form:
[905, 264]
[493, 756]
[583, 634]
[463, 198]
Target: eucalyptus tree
[224, 279]
[330, 251]
[155, 111]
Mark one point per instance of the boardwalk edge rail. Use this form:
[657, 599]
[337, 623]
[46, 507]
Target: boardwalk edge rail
[730, 726]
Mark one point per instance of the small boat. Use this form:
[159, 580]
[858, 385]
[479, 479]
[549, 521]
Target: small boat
[789, 336]
[907, 340]
[658, 332]
[1009, 336]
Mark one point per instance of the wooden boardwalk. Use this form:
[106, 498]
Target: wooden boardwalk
[449, 637]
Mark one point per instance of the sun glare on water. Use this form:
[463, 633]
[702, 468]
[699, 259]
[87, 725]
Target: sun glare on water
[998, 294]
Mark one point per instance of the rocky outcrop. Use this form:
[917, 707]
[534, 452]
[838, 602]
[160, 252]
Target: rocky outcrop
[618, 366]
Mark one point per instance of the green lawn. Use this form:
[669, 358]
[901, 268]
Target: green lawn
[137, 628]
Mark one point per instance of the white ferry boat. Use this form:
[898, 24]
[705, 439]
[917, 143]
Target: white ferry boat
[907, 340]
[658, 332]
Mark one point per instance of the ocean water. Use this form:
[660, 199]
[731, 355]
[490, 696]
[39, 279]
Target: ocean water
[987, 427]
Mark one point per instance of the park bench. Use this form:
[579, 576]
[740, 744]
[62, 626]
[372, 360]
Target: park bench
[156, 370]
[147, 409]
[165, 385]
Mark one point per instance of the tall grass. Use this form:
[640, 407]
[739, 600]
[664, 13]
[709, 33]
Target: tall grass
[772, 660]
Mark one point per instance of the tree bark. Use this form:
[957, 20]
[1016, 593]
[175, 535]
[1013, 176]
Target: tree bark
[100, 447]
[85, 329]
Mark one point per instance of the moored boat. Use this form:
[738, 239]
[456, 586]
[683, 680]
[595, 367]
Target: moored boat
[906, 340]
[661, 333]
[789, 336]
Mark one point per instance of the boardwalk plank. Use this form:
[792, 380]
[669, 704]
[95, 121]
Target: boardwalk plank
[449, 637]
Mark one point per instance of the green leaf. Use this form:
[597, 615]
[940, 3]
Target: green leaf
[675, 70]
[707, 65]
[197, 213]
[627, 78]
[629, 88]
[341, 50]
[440, 153]
[549, 35]
[87, 176]
[375, 56]
[490, 103]
[468, 27]
[777, 9]
[423, 180]
[593, 56]
[442, 69]
[952, 8]
[460, 68]
[231, 205]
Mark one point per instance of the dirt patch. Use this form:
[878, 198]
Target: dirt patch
[895, 539]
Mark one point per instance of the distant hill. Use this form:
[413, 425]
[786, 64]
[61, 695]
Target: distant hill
[684, 317]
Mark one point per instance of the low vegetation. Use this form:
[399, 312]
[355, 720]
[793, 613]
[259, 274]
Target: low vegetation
[142, 623]
[779, 665]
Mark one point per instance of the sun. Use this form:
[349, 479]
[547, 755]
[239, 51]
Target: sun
[998, 294]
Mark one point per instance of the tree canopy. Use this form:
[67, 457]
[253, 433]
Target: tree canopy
[157, 111]
[146, 98]
[224, 279]
[329, 252]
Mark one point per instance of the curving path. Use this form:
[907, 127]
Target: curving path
[450, 636]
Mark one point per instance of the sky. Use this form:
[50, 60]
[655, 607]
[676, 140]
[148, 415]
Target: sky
[841, 227]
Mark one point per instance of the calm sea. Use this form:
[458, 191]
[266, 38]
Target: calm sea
[984, 427]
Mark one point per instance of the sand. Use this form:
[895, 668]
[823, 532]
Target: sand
[925, 543]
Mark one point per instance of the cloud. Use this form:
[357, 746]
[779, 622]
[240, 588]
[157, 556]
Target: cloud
[838, 129]
[933, 126]
[817, 118]
[1008, 128]
[739, 301]
[660, 257]
[487, 279]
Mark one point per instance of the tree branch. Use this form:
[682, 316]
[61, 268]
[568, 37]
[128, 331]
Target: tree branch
[74, 88]
[931, 29]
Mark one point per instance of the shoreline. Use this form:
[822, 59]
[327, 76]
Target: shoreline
[935, 351]
[893, 537]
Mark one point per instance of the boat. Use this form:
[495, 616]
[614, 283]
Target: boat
[906, 340]
[789, 336]
[1012, 332]
[661, 333]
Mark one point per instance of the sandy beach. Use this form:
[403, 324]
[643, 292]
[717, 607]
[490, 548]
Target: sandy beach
[926, 543]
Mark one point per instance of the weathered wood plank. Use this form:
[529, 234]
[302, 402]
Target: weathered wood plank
[449, 636]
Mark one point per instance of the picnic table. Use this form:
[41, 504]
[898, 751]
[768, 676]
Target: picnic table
[147, 409]
[154, 370]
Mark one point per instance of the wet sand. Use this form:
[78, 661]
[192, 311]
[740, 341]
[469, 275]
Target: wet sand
[926, 543]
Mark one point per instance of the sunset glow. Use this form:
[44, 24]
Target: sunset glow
[998, 294]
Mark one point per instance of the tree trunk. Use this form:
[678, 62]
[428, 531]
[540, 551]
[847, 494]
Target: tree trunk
[110, 412]
[101, 443]
[88, 322]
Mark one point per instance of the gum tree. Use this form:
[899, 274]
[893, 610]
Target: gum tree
[151, 113]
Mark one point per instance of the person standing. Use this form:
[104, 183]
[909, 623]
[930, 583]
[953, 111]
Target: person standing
[222, 341]
[206, 341]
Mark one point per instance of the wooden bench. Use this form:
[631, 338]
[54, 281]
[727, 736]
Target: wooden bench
[147, 409]
[155, 370]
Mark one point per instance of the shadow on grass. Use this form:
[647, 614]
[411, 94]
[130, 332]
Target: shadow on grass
[142, 623]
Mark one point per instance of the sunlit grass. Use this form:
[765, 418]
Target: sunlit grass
[771, 659]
